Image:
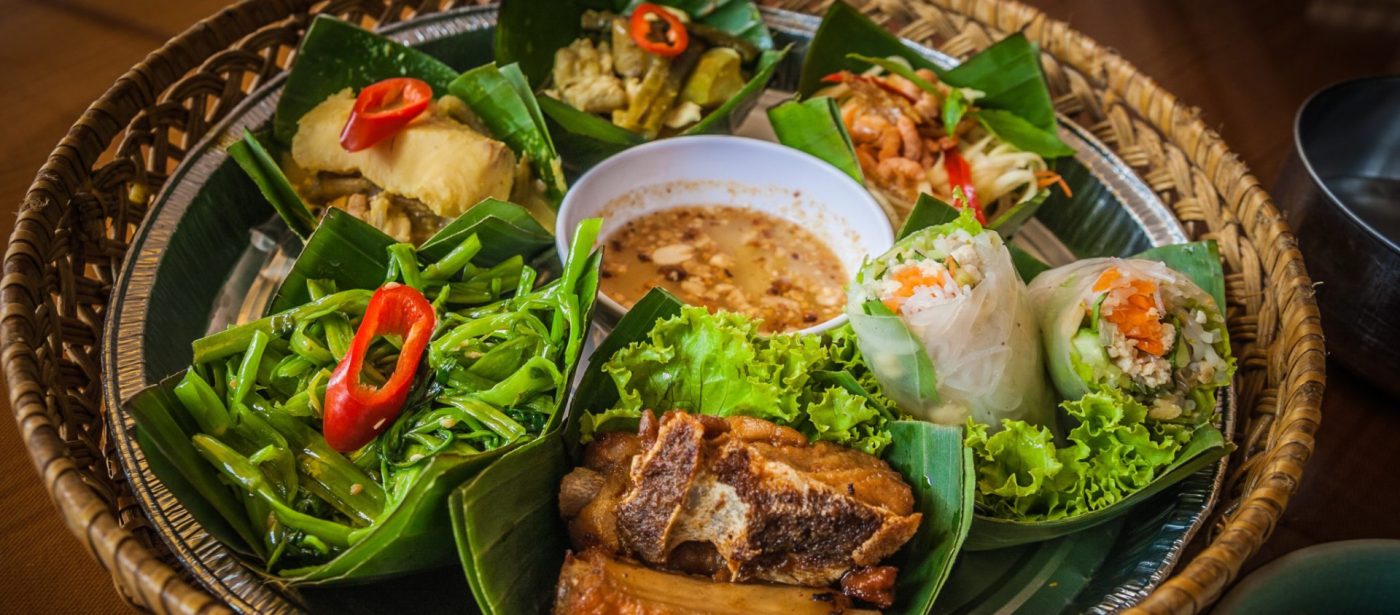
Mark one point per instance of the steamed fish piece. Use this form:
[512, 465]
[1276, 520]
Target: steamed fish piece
[438, 160]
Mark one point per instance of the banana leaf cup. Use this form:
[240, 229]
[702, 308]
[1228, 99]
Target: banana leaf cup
[1039, 482]
[993, 111]
[237, 438]
[531, 32]
[514, 572]
[336, 56]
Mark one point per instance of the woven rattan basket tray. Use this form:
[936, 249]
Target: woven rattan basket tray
[94, 190]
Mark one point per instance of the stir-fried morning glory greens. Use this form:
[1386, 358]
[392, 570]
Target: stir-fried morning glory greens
[323, 419]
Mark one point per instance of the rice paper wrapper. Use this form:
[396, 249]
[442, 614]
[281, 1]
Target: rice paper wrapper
[984, 346]
[1061, 296]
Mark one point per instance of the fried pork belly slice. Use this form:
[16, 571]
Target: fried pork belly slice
[437, 159]
[737, 499]
[593, 582]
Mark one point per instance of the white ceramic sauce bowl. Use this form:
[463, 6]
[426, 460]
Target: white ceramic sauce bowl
[731, 171]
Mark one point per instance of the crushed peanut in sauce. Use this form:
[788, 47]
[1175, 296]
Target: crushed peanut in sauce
[727, 258]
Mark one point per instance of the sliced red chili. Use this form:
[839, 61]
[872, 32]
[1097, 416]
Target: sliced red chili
[356, 412]
[383, 109]
[960, 176]
[656, 30]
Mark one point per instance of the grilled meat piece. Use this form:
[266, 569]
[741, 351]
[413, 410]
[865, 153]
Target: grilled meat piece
[593, 582]
[737, 499]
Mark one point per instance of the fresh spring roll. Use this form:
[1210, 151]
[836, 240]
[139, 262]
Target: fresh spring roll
[1137, 327]
[950, 294]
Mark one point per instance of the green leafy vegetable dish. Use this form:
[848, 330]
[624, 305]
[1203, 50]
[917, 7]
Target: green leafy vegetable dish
[617, 73]
[889, 117]
[758, 474]
[399, 139]
[322, 442]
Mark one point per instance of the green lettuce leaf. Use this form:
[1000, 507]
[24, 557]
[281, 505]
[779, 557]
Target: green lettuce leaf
[719, 364]
[1111, 454]
[842, 416]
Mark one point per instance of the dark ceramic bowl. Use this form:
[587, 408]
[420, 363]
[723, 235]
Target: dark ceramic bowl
[1340, 190]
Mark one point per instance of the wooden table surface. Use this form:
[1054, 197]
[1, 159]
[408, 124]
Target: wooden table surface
[1247, 64]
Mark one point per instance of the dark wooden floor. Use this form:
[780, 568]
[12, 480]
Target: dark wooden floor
[1247, 64]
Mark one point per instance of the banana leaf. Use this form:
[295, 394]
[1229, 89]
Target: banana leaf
[1016, 106]
[933, 459]
[502, 100]
[940, 470]
[509, 535]
[1041, 577]
[814, 126]
[529, 32]
[261, 167]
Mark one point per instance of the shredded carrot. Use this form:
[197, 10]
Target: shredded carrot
[1134, 316]
[1106, 279]
[1051, 178]
[910, 277]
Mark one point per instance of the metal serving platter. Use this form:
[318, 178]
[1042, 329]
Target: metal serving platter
[213, 249]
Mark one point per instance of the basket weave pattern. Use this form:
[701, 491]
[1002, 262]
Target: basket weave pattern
[93, 192]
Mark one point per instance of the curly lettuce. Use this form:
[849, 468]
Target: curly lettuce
[1112, 453]
[719, 364]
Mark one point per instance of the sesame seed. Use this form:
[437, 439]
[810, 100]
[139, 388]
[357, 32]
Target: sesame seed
[356, 489]
[379, 423]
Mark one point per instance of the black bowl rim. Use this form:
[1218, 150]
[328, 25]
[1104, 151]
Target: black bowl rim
[1306, 161]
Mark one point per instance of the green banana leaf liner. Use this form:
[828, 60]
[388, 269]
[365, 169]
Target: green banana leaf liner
[1199, 261]
[415, 534]
[335, 55]
[1017, 106]
[513, 559]
[528, 32]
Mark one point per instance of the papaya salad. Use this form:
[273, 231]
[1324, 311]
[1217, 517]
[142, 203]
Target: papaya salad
[914, 134]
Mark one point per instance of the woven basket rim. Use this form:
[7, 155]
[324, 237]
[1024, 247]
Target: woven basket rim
[140, 576]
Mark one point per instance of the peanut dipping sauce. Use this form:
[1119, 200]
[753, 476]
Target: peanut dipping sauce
[727, 258]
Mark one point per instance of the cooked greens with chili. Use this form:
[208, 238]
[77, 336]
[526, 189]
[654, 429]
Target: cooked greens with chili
[325, 421]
